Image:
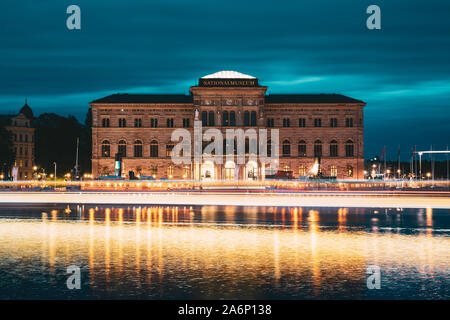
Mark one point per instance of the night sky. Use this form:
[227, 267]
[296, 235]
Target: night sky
[402, 72]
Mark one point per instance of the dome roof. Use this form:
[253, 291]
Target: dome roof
[26, 110]
[228, 74]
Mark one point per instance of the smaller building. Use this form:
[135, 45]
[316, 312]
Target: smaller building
[23, 138]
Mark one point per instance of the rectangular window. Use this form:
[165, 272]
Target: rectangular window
[169, 123]
[186, 172]
[154, 123]
[122, 123]
[105, 122]
[169, 148]
[349, 122]
[302, 170]
[317, 122]
[286, 122]
[211, 119]
[204, 118]
[253, 118]
[270, 122]
[301, 122]
[138, 123]
[186, 123]
[333, 122]
[333, 171]
[170, 172]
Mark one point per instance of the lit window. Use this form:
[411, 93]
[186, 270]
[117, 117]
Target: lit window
[302, 170]
[169, 148]
[333, 171]
[349, 171]
[186, 172]
[170, 171]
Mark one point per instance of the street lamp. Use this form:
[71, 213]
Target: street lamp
[54, 163]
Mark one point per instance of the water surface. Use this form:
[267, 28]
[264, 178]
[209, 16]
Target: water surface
[223, 252]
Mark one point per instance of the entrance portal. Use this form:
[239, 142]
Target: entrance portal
[208, 171]
[251, 170]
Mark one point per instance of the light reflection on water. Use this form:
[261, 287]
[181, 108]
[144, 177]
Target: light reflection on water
[223, 252]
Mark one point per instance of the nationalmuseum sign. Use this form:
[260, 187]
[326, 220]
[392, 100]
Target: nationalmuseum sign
[204, 82]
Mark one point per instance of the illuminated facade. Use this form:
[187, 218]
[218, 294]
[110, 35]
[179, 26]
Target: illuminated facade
[21, 128]
[328, 127]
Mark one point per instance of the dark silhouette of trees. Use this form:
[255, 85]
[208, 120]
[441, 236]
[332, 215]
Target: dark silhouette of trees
[56, 141]
[7, 155]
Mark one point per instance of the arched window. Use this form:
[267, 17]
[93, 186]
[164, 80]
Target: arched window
[246, 118]
[138, 149]
[232, 118]
[253, 118]
[154, 149]
[106, 149]
[302, 148]
[211, 119]
[317, 148]
[122, 148]
[225, 120]
[333, 148]
[286, 148]
[349, 148]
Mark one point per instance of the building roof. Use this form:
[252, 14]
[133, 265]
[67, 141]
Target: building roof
[145, 98]
[182, 98]
[227, 74]
[26, 110]
[309, 98]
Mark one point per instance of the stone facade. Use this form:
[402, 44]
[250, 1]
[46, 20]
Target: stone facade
[328, 127]
[22, 132]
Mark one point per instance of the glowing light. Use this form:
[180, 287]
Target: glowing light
[315, 169]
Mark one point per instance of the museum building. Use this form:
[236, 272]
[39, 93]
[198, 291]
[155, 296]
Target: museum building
[136, 129]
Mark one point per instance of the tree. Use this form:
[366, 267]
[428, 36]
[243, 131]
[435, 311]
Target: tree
[56, 141]
[7, 155]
